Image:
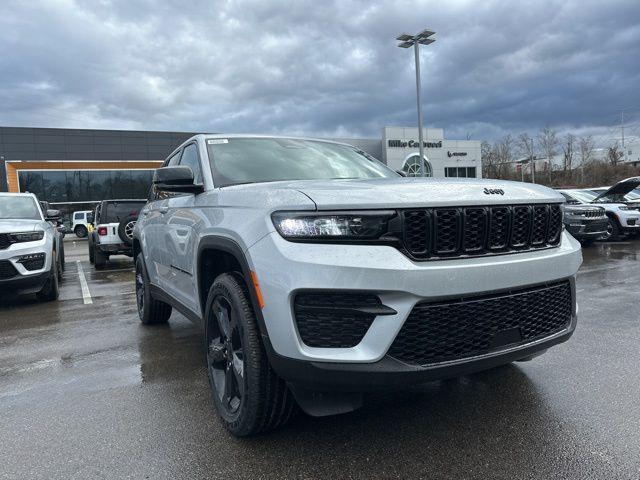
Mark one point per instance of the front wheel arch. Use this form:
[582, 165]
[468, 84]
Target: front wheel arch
[231, 259]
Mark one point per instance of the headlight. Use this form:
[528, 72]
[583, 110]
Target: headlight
[26, 236]
[352, 225]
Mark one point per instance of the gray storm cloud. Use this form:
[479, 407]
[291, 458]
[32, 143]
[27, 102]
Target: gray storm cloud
[318, 67]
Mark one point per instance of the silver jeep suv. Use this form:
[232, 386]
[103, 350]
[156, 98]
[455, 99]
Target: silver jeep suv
[31, 247]
[317, 273]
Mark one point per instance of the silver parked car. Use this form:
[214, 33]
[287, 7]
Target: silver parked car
[31, 249]
[317, 273]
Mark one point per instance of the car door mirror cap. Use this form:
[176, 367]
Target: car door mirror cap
[176, 179]
[51, 215]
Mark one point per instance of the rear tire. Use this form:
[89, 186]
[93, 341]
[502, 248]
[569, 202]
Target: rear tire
[91, 249]
[80, 231]
[50, 291]
[249, 396]
[150, 310]
[62, 259]
[99, 258]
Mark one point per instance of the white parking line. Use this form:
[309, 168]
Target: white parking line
[86, 294]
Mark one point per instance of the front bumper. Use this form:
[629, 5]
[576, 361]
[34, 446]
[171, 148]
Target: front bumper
[629, 221]
[391, 373]
[586, 229]
[26, 281]
[283, 268]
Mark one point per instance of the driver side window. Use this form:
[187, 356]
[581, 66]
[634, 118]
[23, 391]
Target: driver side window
[153, 193]
[190, 158]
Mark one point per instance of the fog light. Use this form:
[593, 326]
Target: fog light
[32, 261]
[31, 256]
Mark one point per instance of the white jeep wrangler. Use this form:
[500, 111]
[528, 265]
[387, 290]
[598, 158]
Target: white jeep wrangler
[113, 230]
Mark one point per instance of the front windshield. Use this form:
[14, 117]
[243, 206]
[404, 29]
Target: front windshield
[633, 195]
[251, 160]
[19, 208]
[583, 196]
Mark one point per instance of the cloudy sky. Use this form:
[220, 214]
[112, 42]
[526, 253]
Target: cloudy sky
[320, 67]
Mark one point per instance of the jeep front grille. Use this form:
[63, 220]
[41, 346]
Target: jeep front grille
[437, 332]
[469, 231]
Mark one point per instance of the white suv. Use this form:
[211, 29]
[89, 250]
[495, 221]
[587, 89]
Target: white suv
[112, 232]
[317, 273]
[623, 218]
[31, 249]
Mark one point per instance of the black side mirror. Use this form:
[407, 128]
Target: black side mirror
[402, 173]
[52, 215]
[175, 179]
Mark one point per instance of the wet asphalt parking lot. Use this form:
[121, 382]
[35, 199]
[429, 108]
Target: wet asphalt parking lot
[86, 391]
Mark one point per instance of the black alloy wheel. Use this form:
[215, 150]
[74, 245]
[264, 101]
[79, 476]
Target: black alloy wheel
[150, 310]
[139, 290]
[225, 356]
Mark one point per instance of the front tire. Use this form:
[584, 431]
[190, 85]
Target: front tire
[150, 310]
[249, 396]
[613, 230]
[50, 291]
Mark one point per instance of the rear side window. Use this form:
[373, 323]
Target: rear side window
[78, 215]
[191, 159]
[117, 211]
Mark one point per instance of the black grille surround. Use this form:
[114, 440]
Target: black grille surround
[448, 232]
[438, 332]
[7, 270]
[328, 319]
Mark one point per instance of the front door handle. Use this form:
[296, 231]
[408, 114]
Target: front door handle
[164, 210]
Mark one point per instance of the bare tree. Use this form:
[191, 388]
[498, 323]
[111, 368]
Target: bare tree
[614, 154]
[569, 150]
[488, 159]
[586, 153]
[526, 148]
[548, 141]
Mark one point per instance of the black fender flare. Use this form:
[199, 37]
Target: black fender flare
[232, 247]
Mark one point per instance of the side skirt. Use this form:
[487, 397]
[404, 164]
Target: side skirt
[159, 294]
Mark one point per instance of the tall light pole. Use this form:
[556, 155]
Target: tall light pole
[415, 41]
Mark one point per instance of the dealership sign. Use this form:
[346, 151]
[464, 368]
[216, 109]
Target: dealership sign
[456, 154]
[413, 144]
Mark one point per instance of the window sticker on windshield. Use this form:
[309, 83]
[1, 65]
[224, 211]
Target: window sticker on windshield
[217, 141]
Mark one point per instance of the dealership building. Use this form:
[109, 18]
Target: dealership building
[73, 168]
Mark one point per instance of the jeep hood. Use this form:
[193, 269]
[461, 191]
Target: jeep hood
[621, 188]
[419, 192]
[12, 226]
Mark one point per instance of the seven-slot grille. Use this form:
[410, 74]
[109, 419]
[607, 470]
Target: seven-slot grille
[437, 332]
[468, 231]
[594, 213]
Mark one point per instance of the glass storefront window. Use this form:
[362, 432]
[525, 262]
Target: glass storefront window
[55, 186]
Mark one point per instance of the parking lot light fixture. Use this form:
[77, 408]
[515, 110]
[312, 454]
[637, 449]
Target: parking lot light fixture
[406, 40]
